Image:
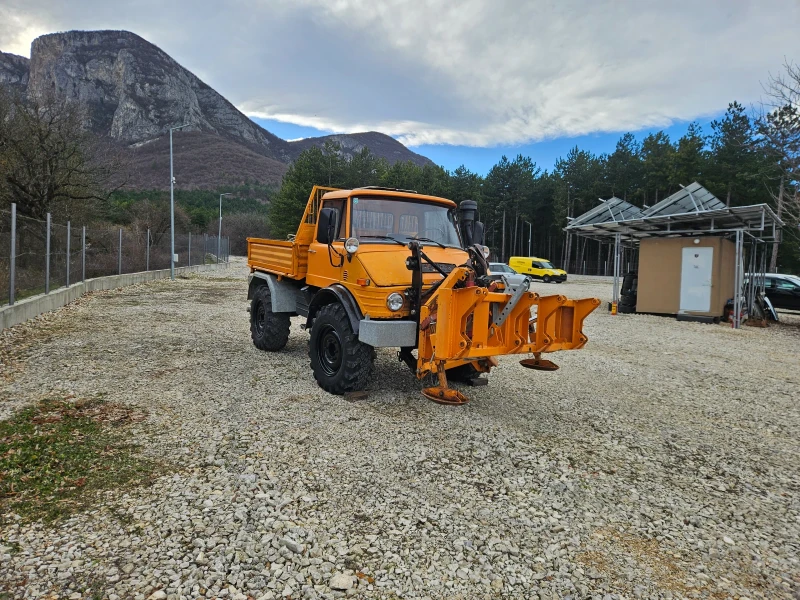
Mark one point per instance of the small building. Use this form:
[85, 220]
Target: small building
[694, 253]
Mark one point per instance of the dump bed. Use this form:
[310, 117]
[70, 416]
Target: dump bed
[288, 258]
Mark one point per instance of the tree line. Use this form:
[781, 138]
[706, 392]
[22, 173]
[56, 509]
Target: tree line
[746, 157]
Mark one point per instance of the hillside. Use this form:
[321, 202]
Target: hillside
[133, 92]
[379, 144]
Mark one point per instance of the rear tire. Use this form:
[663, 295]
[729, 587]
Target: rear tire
[546, 279]
[269, 330]
[339, 361]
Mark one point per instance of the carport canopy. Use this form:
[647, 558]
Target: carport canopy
[692, 211]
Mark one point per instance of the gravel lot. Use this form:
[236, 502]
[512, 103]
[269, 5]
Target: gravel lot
[662, 461]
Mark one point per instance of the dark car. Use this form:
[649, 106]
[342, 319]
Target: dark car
[783, 291]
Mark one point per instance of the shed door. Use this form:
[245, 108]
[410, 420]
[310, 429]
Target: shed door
[696, 266]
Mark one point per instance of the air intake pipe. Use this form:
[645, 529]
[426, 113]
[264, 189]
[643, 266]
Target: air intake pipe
[471, 230]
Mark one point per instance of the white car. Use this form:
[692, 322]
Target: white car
[502, 270]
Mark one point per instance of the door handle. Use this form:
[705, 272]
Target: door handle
[312, 251]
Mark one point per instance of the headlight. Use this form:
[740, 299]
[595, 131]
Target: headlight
[394, 302]
[486, 252]
[351, 245]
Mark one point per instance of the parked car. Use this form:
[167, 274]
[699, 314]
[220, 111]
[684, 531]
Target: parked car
[502, 270]
[783, 291]
[537, 268]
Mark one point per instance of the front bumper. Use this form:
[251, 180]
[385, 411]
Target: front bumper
[387, 334]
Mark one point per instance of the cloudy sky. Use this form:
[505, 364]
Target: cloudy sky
[462, 81]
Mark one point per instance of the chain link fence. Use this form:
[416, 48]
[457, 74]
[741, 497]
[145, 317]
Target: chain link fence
[37, 257]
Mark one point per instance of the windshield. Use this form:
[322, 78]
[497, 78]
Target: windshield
[375, 217]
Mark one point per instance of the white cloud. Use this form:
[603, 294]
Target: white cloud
[476, 72]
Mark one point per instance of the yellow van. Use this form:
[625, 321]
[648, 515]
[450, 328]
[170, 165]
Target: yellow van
[537, 268]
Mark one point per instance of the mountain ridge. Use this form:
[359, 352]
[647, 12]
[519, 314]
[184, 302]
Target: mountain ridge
[134, 92]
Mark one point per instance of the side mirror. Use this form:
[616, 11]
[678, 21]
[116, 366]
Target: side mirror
[326, 225]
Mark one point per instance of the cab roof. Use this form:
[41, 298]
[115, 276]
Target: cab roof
[387, 193]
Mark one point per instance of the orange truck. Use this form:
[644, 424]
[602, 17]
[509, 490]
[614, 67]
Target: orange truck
[385, 268]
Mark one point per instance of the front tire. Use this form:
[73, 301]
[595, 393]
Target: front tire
[269, 330]
[546, 279]
[340, 362]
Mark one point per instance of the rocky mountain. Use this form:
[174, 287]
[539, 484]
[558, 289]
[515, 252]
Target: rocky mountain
[14, 71]
[134, 92]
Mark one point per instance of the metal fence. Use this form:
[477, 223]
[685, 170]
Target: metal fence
[41, 256]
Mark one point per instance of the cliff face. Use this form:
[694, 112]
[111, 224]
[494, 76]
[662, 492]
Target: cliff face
[14, 71]
[135, 92]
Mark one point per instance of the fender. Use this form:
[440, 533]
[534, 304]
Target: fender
[284, 295]
[336, 293]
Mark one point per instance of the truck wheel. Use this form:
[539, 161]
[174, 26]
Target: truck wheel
[269, 330]
[340, 362]
[546, 279]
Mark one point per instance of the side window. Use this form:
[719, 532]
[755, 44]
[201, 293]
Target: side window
[785, 285]
[535, 265]
[339, 206]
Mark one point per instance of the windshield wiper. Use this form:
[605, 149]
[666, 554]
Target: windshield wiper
[424, 239]
[383, 237]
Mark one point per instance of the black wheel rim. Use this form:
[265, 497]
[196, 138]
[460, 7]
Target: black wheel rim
[329, 350]
[261, 318]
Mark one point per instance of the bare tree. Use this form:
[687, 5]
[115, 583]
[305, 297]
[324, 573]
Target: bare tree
[49, 162]
[779, 136]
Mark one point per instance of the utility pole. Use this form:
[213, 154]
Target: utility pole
[219, 235]
[503, 247]
[172, 205]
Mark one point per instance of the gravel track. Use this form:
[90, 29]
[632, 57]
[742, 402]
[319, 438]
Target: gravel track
[662, 461]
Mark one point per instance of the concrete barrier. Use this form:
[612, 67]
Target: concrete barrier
[34, 306]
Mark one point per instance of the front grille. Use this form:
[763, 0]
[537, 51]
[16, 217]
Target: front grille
[446, 267]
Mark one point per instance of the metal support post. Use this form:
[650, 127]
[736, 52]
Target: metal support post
[83, 254]
[147, 253]
[47, 259]
[190, 248]
[737, 283]
[13, 255]
[69, 232]
[205, 247]
[119, 253]
[617, 244]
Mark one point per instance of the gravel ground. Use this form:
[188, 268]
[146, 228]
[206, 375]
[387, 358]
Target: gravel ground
[660, 462]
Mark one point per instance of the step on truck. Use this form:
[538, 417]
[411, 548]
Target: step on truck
[385, 268]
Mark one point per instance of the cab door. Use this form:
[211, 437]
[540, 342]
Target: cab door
[536, 270]
[325, 265]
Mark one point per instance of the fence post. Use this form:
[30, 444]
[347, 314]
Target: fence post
[13, 255]
[83, 254]
[147, 253]
[190, 248]
[205, 247]
[119, 254]
[47, 259]
[69, 232]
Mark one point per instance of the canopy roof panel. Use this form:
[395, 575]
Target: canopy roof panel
[611, 210]
[692, 198]
[758, 220]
